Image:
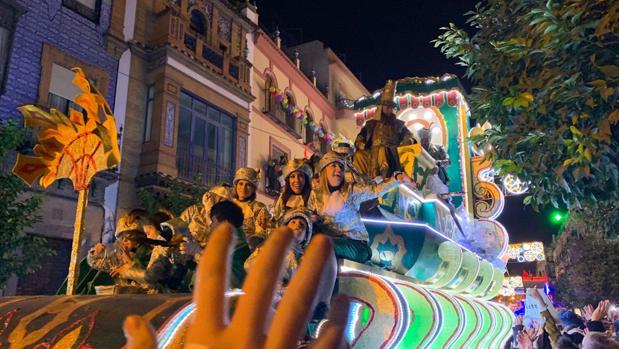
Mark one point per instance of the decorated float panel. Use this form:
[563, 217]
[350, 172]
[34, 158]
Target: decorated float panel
[391, 311]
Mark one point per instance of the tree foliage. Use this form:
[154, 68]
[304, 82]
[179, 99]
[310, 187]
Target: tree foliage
[176, 196]
[545, 75]
[585, 268]
[20, 253]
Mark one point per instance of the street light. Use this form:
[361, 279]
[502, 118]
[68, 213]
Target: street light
[558, 217]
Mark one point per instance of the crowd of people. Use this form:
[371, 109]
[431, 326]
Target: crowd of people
[595, 327]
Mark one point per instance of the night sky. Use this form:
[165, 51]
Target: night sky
[390, 39]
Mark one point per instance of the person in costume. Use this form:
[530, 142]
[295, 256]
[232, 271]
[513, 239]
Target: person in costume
[196, 217]
[257, 217]
[438, 152]
[128, 257]
[337, 202]
[196, 220]
[378, 140]
[298, 220]
[298, 175]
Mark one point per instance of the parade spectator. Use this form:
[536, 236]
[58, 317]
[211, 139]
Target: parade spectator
[247, 328]
[297, 188]
[256, 216]
[599, 340]
[337, 202]
[550, 326]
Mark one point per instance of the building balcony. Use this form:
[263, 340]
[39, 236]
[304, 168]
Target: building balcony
[173, 28]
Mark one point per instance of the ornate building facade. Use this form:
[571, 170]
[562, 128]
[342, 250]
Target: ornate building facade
[187, 85]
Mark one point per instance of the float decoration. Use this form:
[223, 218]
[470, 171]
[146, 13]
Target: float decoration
[75, 147]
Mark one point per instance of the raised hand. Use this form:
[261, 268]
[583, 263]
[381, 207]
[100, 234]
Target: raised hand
[600, 311]
[587, 311]
[248, 328]
[524, 340]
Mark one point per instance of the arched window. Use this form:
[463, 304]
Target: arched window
[290, 118]
[308, 134]
[269, 100]
[198, 22]
[324, 147]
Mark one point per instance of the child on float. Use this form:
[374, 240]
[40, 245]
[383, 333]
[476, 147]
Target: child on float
[255, 213]
[337, 202]
[298, 220]
[298, 175]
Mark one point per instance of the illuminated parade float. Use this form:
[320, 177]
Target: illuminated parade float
[438, 258]
[432, 278]
[445, 264]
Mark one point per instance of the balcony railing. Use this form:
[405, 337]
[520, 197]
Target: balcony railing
[200, 171]
[180, 36]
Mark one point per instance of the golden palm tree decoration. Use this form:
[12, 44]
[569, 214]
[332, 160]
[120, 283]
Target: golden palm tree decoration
[74, 147]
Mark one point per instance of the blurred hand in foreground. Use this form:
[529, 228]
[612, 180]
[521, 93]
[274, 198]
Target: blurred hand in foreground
[210, 327]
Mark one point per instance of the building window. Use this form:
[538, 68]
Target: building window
[198, 22]
[148, 120]
[278, 159]
[294, 124]
[8, 18]
[87, 8]
[206, 142]
[308, 133]
[269, 100]
[62, 92]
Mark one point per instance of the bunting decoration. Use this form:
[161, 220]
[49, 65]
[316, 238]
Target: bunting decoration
[300, 114]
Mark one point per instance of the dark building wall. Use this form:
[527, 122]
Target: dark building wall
[48, 32]
[50, 22]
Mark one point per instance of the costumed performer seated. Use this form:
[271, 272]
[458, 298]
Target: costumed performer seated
[437, 152]
[298, 220]
[196, 219]
[257, 217]
[337, 202]
[297, 175]
[128, 257]
[378, 141]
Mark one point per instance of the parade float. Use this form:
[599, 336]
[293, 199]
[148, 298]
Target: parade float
[437, 262]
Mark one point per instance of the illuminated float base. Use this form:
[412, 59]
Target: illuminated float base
[391, 311]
